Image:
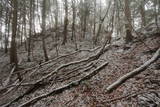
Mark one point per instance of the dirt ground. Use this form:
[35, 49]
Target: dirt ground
[140, 91]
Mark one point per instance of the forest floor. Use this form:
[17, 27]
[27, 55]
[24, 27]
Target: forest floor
[141, 91]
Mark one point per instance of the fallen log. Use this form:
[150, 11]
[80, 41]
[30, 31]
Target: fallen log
[133, 73]
[65, 87]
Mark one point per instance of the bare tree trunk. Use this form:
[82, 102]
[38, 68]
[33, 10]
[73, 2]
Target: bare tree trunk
[84, 26]
[94, 26]
[6, 29]
[158, 6]
[13, 50]
[155, 13]
[30, 30]
[73, 38]
[100, 24]
[142, 11]
[24, 26]
[1, 20]
[56, 21]
[65, 23]
[129, 36]
[43, 30]
[73, 17]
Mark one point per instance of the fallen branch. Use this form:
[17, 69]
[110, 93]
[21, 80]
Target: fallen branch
[91, 58]
[36, 84]
[68, 76]
[10, 75]
[136, 71]
[31, 89]
[89, 66]
[65, 87]
[54, 59]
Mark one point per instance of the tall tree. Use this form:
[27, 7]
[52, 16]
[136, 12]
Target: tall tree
[94, 25]
[44, 29]
[30, 29]
[101, 20]
[128, 23]
[56, 19]
[155, 13]
[73, 18]
[7, 24]
[65, 32]
[13, 49]
[142, 11]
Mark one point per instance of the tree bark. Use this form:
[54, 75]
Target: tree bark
[7, 25]
[56, 20]
[30, 30]
[13, 49]
[65, 87]
[43, 30]
[128, 24]
[65, 32]
[73, 17]
[142, 11]
[94, 25]
[100, 24]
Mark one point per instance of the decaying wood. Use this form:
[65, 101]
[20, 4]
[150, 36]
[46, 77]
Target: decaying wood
[54, 59]
[136, 71]
[65, 87]
[75, 73]
[89, 59]
[61, 79]
[38, 83]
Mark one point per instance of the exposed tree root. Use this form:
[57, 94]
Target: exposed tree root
[89, 59]
[65, 87]
[54, 59]
[36, 85]
[10, 75]
[30, 90]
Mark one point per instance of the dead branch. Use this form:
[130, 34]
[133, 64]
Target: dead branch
[89, 59]
[10, 75]
[133, 73]
[32, 88]
[67, 76]
[38, 83]
[54, 59]
[65, 87]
